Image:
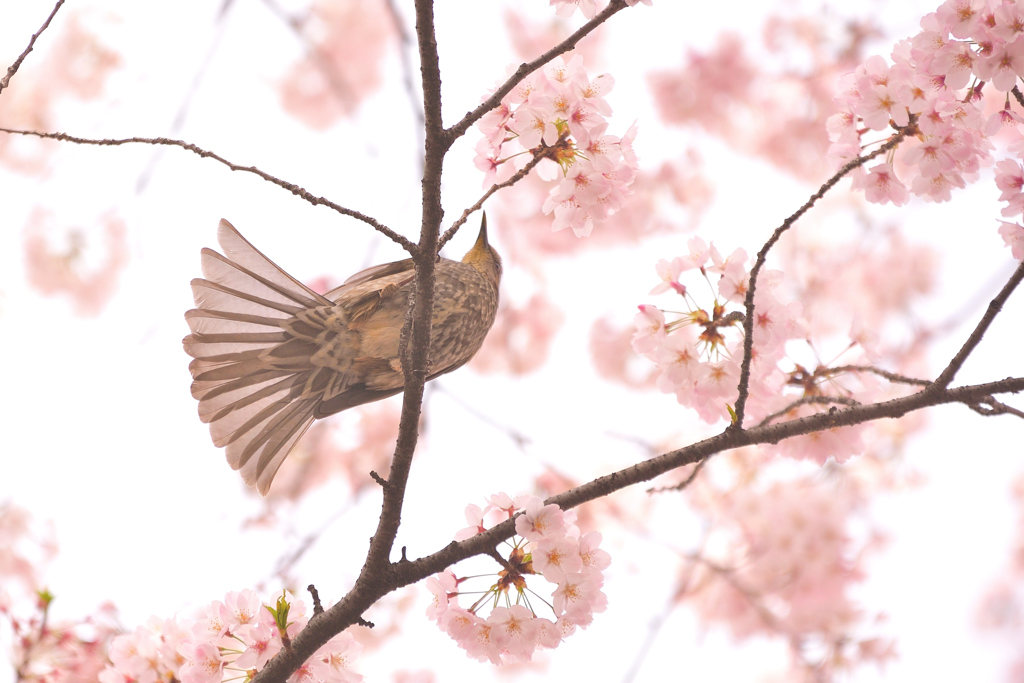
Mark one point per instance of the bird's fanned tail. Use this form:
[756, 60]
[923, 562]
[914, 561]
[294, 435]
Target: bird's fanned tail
[251, 385]
[270, 355]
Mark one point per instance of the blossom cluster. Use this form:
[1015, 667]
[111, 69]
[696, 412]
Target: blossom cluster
[698, 352]
[780, 560]
[233, 640]
[558, 114]
[76, 261]
[349, 39]
[935, 91]
[588, 8]
[549, 545]
[1010, 181]
[48, 650]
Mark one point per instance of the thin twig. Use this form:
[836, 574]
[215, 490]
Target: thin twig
[748, 323]
[728, 575]
[994, 307]
[13, 68]
[294, 189]
[520, 174]
[891, 376]
[807, 400]
[684, 483]
[415, 103]
[989, 406]
[1017, 95]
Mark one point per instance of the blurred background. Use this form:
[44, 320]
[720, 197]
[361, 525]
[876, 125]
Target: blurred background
[98, 245]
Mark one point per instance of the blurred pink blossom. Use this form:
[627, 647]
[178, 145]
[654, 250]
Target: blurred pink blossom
[349, 40]
[521, 337]
[78, 265]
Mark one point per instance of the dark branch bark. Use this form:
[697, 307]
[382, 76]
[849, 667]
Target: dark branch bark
[376, 576]
[13, 68]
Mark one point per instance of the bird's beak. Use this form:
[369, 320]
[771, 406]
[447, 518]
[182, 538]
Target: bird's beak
[481, 239]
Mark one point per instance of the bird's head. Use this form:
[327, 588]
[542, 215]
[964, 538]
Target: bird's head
[483, 257]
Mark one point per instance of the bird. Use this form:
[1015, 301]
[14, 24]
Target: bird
[270, 355]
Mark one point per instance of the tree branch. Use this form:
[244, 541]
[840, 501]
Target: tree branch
[994, 307]
[368, 590]
[989, 406]
[376, 578]
[748, 322]
[891, 376]
[807, 400]
[206, 154]
[520, 174]
[13, 68]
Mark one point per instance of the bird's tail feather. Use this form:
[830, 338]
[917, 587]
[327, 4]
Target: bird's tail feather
[253, 400]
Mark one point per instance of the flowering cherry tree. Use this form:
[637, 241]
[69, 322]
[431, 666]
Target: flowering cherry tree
[798, 359]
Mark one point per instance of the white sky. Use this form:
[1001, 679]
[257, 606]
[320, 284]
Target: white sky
[102, 434]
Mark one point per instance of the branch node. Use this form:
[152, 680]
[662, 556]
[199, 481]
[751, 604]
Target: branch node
[317, 607]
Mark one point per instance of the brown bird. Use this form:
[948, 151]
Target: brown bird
[272, 355]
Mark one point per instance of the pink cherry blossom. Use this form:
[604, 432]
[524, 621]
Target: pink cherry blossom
[565, 8]
[240, 609]
[1013, 236]
[556, 557]
[203, 665]
[264, 642]
[515, 630]
[650, 329]
[1002, 65]
[330, 663]
[539, 521]
[962, 18]
[440, 586]
[882, 186]
[575, 595]
[547, 545]
[558, 114]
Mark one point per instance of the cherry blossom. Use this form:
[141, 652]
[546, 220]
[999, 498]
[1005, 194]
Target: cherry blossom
[548, 544]
[969, 54]
[697, 352]
[213, 648]
[780, 560]
[558, 114]
[1013, 235]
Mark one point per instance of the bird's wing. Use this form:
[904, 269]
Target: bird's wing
[374, 273]
[258, 411]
